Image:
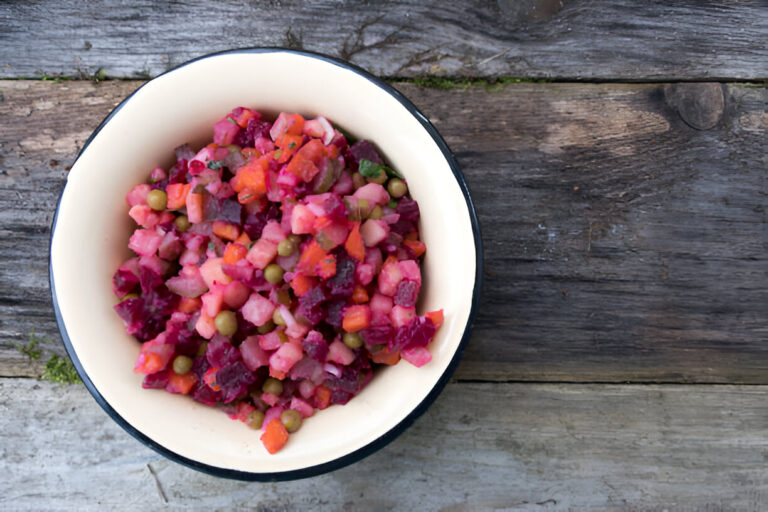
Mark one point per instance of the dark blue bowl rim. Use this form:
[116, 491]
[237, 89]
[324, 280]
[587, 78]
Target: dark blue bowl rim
[374, 445]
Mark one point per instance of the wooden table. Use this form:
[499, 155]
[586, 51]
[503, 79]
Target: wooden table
[617, 157]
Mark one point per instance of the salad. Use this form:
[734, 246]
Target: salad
[274, 270]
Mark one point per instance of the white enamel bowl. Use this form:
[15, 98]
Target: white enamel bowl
[91, 230]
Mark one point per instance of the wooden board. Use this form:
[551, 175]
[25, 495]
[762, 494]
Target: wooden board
[622, 244]
[523, 447]
[563, 40]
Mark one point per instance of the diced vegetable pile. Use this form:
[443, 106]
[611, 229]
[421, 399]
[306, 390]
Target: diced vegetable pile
[275, 268]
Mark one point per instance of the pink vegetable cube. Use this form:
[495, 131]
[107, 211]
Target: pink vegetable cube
[389, 277]
[212, 301]
[224, 132]
[302, 220]
[374, 232]
[381, 304]
[145, 242]
[401, 315]
[188, 283]
[257, 309]
[270, 341]
[338, 352]
[205, 326]
[261, 253]
[212, 272]
[252, 353]
[373, 193]
[285, 357]
[303, 408]
[364, 273]
[138, 194]
[235, 294]
[417, 356]
[273, 232]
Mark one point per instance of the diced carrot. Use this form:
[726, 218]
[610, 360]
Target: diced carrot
[149, 362]
[302, 167]
[417, 247]
[182, 383]
[309, 259]
[190, 305]
[250, 153]
[326, 268]
[252, 175]
[384, 356]
[288, 144]
[360, 295]
[195, 207]
[436, 317]
[275, 436]
[234, 252]
[277, 374]
[242, 119]
[212, 145]
[313, 151]
[294, 124]
[225, 230]
[177, 195]
[246, 196]
[322, 222]
[354, 244]
[301, 284]
[356, 318]
[243, 239]
[210, 378]
[322, 397]
[332, 151]
[413, 235]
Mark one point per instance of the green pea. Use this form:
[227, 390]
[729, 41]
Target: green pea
[202, 349]
[362, 205]
[381, 178]
[272, 386]
[267, 327]
[291, 420]
[285, 247]
[376, 213]
[277, 318]
[358, 180]
[226, 323]
[182, 365]
[255, 419]
[295, 239]
[397, 188]
[273, 273]
[182, 223]
[157, 199]
[352, 340]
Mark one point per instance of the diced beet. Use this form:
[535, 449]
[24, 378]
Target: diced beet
[334, 317]
[343, 283]
[156, 380]
[230, 210]
[314, 297]
[407, 292]
[234, 380]
[309, 316]
[363, 149]
[315, 346]
[220, 352]
[123, 282]
[418, 333]
[377, 335]
[308, 369]
[408, 209]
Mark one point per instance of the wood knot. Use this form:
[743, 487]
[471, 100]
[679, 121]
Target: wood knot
[700, 105]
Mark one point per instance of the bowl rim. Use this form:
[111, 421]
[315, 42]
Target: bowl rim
[408, 420]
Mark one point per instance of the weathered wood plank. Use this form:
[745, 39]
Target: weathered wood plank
[622, 244]
[577, 39]
[517, 447]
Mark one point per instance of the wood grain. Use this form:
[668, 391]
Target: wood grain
[622, 244]
[564, 40]
[524, 447]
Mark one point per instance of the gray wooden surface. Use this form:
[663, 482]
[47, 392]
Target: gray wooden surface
[619, 360]
[527, 447]
[561, 39]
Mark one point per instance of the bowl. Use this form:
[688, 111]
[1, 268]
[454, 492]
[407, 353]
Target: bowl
[91, 229]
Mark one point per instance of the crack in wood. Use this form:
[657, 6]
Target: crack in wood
[157, 482]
